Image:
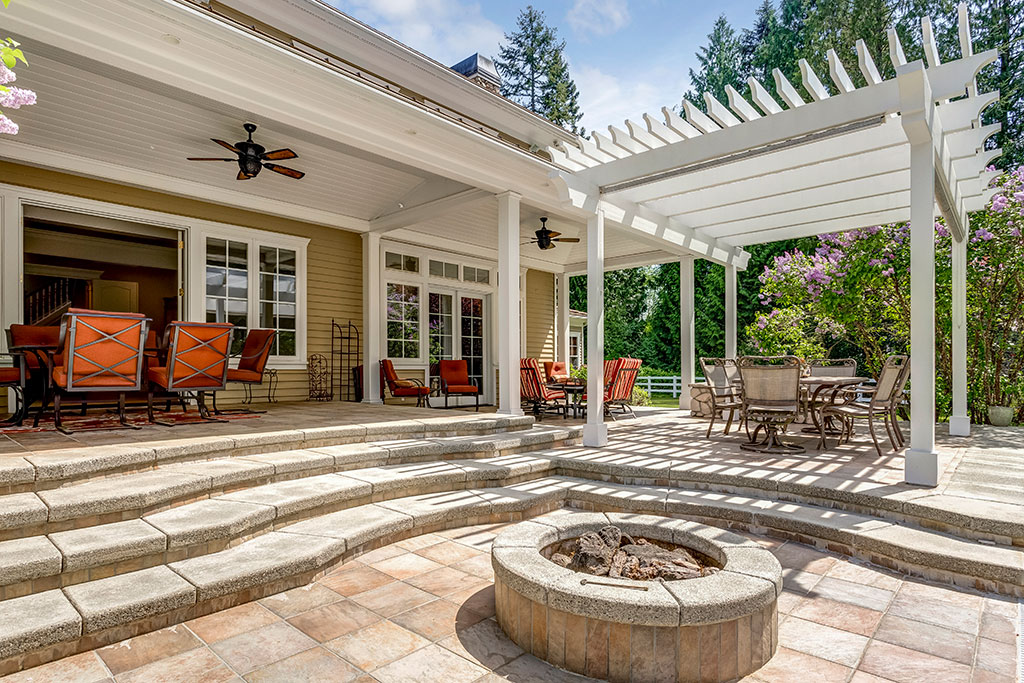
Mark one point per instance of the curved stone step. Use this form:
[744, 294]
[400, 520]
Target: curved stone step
[42, 626]
[124, 496]
[50, 469]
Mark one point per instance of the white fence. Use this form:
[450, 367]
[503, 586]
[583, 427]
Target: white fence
[662, 385]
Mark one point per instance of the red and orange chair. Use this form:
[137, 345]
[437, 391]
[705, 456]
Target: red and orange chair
[535, 393]
[252, 364]
[197, 362]
[455, 381]
[402, 388]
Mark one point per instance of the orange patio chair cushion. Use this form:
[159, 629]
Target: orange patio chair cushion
[10, 375]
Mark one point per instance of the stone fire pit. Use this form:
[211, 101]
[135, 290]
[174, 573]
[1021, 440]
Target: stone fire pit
[716, 627]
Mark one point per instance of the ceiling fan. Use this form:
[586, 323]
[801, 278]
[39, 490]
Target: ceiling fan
[546, 238]
[252, 157]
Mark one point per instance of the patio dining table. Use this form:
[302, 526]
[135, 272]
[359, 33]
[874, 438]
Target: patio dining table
[571, 389]
[816, 385]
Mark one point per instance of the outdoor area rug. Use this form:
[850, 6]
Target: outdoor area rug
[101, 421]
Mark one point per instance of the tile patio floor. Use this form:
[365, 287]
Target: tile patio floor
[421, 610]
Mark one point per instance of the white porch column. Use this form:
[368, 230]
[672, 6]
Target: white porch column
[509, 283]
[595, 432]
[372, 307]
[522, 312]
[730, 311]
[687, 339]
[562, 316]
[959, 421]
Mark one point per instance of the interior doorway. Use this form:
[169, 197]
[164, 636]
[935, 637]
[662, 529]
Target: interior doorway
[76, 260]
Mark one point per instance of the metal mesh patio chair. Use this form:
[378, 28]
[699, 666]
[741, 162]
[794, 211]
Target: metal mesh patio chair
[884, 399]
[722, 376]
[825, 367]
[770, 398]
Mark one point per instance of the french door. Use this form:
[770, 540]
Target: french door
[457, 330]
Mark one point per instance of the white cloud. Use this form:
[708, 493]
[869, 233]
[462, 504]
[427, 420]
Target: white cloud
[607, 99]
[445, 30]
[598, 17]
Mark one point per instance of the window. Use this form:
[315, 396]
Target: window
[575, 358]
[227, 286]
[443, 269]
[441, 327]
[403, 321]
[408, 264]
[255, 280]
[471, 274]
[277, 297]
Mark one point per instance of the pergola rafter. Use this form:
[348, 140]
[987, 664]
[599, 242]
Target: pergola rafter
[816, 157]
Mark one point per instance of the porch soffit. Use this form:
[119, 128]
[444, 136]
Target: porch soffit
[741, 174]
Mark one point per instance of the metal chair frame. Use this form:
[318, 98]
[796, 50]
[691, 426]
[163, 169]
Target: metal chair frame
[248, 384]
[529, 376]
[885, 400]
[774, 415]
[725, 396]
[20, 411]
[172, 336]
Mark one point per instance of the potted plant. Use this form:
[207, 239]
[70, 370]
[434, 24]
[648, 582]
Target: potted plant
[1001, 412]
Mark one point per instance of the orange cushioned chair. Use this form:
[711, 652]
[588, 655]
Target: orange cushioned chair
[455, 381]
[555, 371]
[37, 364]
[99, 352]
[14, 378]
[535, 393]
[197, 361]
[252, 362]
[402, 387]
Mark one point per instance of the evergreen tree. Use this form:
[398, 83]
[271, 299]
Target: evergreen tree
[534, 71]
[754, 40]
[720, 65]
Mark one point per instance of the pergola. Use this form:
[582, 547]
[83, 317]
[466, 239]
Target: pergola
[907, 148]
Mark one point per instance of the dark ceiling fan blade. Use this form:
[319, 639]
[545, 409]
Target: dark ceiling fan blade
[279, 155]
[552, 233]
[208, 159]
[226, 145]
[574, 240]
[241, 176]
[284, 170]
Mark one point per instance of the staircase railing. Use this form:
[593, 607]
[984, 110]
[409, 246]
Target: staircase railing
[49, 300]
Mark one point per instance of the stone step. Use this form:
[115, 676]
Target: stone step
[124, 496]
[62, 558]
[54, 623]
[53, 468]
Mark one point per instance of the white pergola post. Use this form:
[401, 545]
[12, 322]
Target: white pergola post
[959, 421]
[730, 311]
[562, 315]
[509, 282]
[918, 119]
[372, 307]
[522, 312]
[687, 339]
[595, 432]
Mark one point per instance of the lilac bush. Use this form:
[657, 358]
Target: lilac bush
[11, 97]
[855, 287]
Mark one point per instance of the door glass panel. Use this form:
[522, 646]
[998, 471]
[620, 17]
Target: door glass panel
[473, 337]
[442, 330]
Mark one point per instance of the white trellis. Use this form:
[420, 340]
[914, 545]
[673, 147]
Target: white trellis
[797, 164]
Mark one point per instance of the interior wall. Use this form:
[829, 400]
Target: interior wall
[333, 265]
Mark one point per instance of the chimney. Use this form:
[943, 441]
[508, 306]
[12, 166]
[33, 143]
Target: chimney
[480, 70]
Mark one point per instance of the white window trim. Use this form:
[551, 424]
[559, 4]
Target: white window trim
[254, 238]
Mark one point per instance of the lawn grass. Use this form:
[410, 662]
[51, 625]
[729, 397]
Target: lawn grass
[664, 401]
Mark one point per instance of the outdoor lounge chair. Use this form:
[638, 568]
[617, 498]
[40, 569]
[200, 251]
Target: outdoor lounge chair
[98, 352]
[533, 392]
[197, 362]
[252, 363]
[556, 371]
[402, 388]
[455, 381]
[14, 378]
[619, 380]
[722, 378]
[770, 397]
[884, 399]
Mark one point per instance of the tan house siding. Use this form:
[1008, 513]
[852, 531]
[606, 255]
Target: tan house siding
[333, 259]
[540, 315]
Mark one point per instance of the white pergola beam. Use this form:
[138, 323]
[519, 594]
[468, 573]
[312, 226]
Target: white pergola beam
[699, 119]
[867, 64]
[786, 90]
[762, 98]
[739, 105]
[838, 73]
[812, 84]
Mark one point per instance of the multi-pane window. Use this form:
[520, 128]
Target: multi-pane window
[574, 350]
[277, 297]
[471, 274]
[444, 269]
[403, 262]
[441, 327]
[227, 286]
[403, 321]
[473, 337]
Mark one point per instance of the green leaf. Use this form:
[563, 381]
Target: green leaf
[7, 3]
[9, 60]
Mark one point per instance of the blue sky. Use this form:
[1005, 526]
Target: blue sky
[626, 56]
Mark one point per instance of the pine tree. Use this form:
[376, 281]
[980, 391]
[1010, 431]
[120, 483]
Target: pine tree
[535, 73]
[752, 39]
[720, 65]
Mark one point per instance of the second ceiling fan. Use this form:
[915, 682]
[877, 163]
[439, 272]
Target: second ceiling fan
[546, 238]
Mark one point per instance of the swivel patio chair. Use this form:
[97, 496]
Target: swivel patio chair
[533, 392]
[722, 378]
[197, 362]
[455, 381]
[402, 388]
[884, 400]
[98, 353]
[14, 378]
[770, 397]
[555, 371]
[252, 363]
